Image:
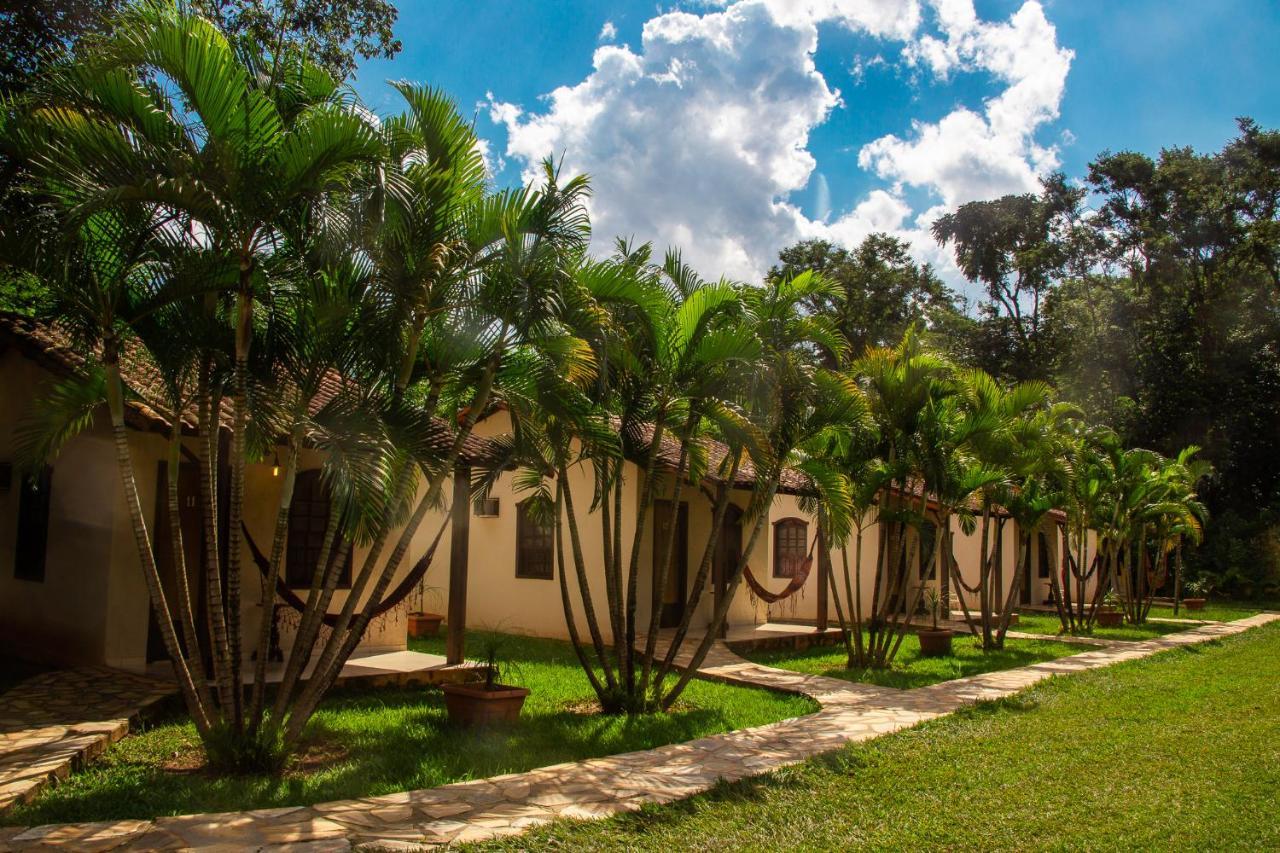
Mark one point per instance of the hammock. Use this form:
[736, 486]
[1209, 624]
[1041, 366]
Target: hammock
[399, 594]
[793, 586]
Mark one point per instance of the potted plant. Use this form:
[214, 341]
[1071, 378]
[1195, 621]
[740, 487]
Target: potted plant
[424, 623]
[1109, 615]
[1195, 594]
[478, 703]
[934, 642]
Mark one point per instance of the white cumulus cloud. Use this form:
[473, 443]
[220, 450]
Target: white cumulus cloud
[608, 32]
[699, 138]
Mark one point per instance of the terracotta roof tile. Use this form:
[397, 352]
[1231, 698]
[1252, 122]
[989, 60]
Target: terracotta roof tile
[792, 482]
[56, 351]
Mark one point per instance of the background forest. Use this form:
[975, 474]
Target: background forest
[1146, 292]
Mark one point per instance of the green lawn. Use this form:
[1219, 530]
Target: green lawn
[1177, 751]
[1217, 611]
[1047, 623]
[368, 742]
[910, 669]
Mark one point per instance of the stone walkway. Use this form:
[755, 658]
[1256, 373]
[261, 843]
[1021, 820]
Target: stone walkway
[55, 721]
[507, 805]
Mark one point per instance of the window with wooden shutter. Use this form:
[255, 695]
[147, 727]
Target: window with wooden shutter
[790, 544]
[534, 543]
[308, 520]
[31, 545]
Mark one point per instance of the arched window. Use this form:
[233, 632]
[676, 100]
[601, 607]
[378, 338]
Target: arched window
[790, 544]
[308, 520]
[533, 545]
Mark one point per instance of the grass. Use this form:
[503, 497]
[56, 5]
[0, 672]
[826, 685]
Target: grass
[1217, 610]
[1177, 751]
[909, 668]
[1047, 623]
[365, 742]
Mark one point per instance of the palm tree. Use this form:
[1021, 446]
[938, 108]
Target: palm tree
[901, 385]
[521, 242]
[800, 408]
[226, 142]
[665, 342]
[1010, 414]
[105, 273]
[867, 478]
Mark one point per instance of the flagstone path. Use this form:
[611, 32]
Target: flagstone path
[57, 720]
[510, 804]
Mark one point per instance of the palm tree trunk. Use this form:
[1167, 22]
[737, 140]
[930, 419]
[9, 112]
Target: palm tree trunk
[580, 567]
[269, 580]
[159, 606]
[855, 594]
[235, 508]
[570, 620]
[1177, 579]
[1015, 588]
[347, 633]
[984, 567]
[846, 628]
[324, 580]
[207, 456]
[668, 552]
[617, 606]
[722, 606]
[633, 567]
[718, 515]
[186, 612]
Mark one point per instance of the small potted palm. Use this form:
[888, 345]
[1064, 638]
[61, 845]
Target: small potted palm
[425, 623]
[479, 703]
[934, 642]
[1109, 615]
[1195, 594]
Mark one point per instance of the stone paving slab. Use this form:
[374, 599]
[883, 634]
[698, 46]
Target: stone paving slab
[510, 804]
[55, 721]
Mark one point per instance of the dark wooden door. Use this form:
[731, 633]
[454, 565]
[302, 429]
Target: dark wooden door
[192, 547]
[1028, 577]
[673, 595]
[728, 551]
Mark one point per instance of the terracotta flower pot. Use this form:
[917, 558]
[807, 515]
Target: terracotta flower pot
[935, 644]
[424, 625]
[472, 704]
[1193, 603]
[1110, 619]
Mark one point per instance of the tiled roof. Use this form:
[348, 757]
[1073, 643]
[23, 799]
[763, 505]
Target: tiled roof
[56, 351]
[792, 482]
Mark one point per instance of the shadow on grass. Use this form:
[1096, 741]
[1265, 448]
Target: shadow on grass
[360, 744]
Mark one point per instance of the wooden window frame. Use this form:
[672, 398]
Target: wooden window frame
[524, 526]
[31, 543]
[780, 528]
[297, 566]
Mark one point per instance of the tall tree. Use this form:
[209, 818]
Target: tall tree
[1015, 247]
[878, 290]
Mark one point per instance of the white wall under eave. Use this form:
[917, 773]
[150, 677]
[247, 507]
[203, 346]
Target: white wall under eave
[61, 619]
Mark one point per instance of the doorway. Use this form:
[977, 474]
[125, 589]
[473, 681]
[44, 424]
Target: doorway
[728, 552]
[673, 595]
[191, 525]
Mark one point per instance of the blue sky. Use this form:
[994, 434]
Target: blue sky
[722, 131]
